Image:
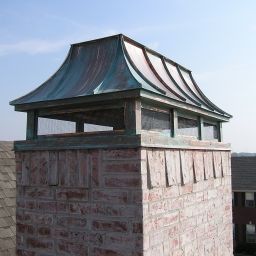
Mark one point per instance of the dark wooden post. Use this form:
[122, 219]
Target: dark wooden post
[79, 126]
[32, 125]
[174, 122]
[132, 117]
[219, 127]
[200, 128]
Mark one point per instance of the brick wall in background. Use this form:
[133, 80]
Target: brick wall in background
[128, 202]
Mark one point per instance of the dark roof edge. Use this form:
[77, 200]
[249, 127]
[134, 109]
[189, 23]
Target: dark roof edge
[132, 93]
[13, 102]
[118, 36]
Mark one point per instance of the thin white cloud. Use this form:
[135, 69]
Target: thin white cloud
[34, 46]
[41, 46]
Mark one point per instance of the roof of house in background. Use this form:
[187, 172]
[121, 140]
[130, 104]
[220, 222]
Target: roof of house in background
[7, 199]
[243, 173]
[118, 63]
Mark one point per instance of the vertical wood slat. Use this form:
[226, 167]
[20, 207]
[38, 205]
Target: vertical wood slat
[62, 169]
[208, 165]
[32, 125]
[72, 167]
[34, 167]
[172, 159]
[225, 163]
[156, 168]
[25, 169]
[217, 164]
[43, 168]
[83, 168]
[187, 166]
[198, 165]
[53, 168]
[132, 117]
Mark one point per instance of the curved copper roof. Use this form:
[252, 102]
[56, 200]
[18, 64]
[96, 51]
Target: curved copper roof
[118, 63]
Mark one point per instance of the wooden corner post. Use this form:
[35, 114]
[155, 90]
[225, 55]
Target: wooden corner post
[32, 125]
[132, 117]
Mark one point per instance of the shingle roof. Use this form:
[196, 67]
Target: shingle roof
[243, 173]
[7, 199]
[118, 63]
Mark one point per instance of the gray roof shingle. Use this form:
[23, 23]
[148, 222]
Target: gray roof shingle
[7, 199]
[243, 173]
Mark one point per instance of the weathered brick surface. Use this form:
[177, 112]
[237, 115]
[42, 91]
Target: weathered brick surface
[79, 202]
[190, 214]
[129, 202]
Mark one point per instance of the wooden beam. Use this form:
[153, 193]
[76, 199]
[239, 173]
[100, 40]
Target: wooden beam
[78, 109]
[32, 125]
[103, 98]
[163, 101]
[132, 117]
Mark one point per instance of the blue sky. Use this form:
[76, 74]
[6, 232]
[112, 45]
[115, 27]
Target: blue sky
[215, 39]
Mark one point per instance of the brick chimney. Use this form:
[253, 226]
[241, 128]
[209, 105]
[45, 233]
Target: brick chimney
[123, 157]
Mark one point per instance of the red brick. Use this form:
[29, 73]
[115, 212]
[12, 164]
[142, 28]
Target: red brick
[72, 194]
[36, 243]
[44, 231]
[96, 239]
[79, 208]
[20, 203]
[104, 225]
[31, 204]
[21, 252]
[137, 227]
[71, 221]
[72, 248]
[78, 236]
[61, 233]
[25, 228]
[119, 182]
[118, 154]
[115, 210]
[39, 193]
[106, 252]
[136, 196]
[38, 218]
[112, 196]
[47, 206]
[62, 207]
[121, 166]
